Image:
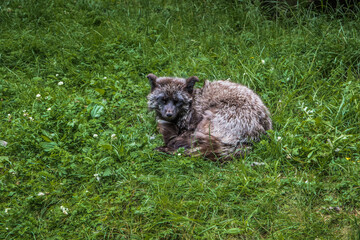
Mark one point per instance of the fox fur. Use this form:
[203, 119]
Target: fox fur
[219, 120]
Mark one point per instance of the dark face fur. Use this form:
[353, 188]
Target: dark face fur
[170, 97]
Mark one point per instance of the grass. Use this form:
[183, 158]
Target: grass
[79, 160]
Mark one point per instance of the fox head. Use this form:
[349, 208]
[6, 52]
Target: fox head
[170, 97]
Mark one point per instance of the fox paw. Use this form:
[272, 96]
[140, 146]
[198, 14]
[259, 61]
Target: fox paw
[164, 149]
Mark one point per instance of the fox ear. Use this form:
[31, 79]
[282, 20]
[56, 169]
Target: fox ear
[152, 80]
[190, 83]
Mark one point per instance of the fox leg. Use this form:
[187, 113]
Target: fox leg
[169, 132]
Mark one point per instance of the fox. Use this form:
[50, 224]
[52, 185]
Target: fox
[219, 121]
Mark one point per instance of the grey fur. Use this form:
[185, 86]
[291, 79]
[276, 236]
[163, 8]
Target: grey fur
[219, 120]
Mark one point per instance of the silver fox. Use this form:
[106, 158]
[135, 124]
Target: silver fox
[218, 121]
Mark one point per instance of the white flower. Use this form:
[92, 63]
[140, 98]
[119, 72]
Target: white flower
[25, 114]
[278, 138]
[64, 210]
[49, 109]
[97, 176]
[56, 75]
[3, 143]
[280, 101]
[41, 194]
[262, 61]
[306, 181]
[7, 210]
[31, 119]
[60, 83]
[113, 136]
[253, 164]
[152, 138]
[38, 95]
[179, 154]
[9, 115]
[95, 135]
[105, 77]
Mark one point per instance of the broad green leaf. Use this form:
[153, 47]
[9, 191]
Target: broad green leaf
[234, 231]
[48, 146]
[46, 138]
[99, 90]
[97, 111]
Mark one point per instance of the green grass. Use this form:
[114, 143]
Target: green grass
[117, 186]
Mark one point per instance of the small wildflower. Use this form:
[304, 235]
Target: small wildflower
[179, 154]
[306, 181]
[61, 83]
[41, 194]
[113, 136]
[56, 75]
[253, 164]
[278, 138]
[336, 209]
[64, 210]
[97, 177]
[7, 210]
[38, 95]
[31, 119]
[152, 137]
[347, 158]
[49, 109]
[262, 61]
[24, 111]
[3, 143]
[26, 114]
[95, 135]
[280, 101]
[105, 77]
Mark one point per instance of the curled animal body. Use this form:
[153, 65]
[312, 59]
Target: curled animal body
[220, 120]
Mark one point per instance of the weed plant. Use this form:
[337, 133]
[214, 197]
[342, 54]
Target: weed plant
[77, 140]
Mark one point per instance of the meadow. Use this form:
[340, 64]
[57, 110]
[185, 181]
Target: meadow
[77, 157]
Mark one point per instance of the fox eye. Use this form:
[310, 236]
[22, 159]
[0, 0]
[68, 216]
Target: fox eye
[162, 100]
[178, 102]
